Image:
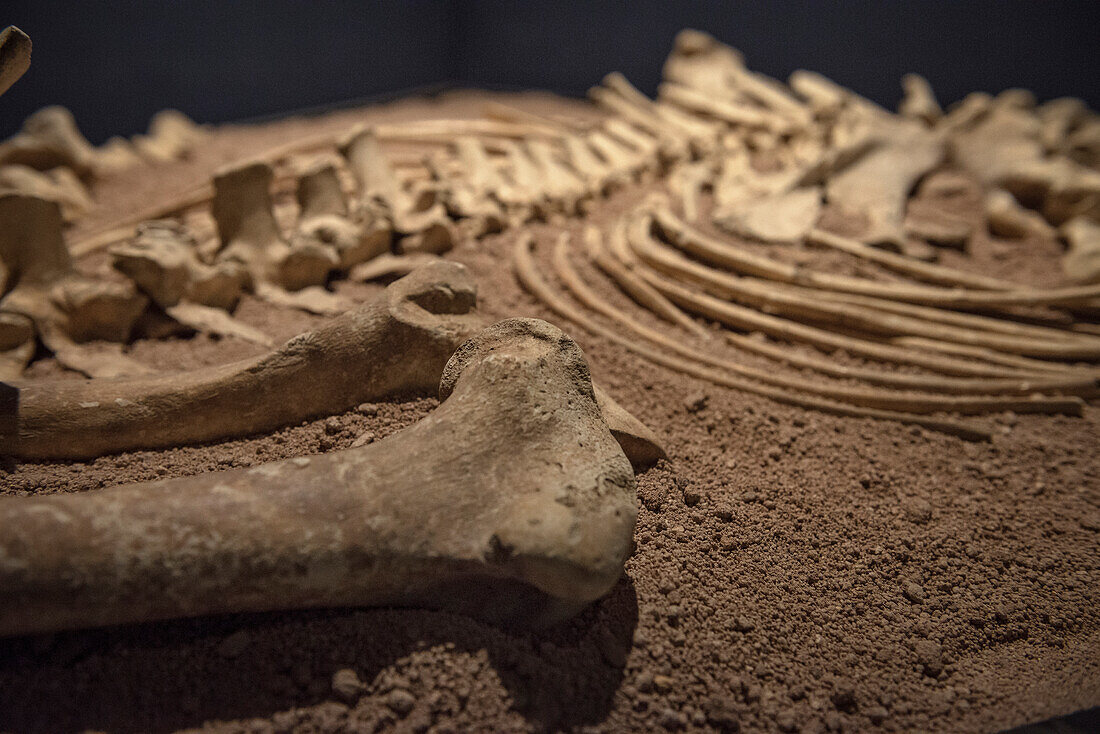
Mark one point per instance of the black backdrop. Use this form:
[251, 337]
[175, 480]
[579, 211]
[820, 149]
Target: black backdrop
[114, 62]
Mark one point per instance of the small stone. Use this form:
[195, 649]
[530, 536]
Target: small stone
[645, 681]
[332, 426]
[368, 409]
[663, 683]
[672, 720]
[917, 511]
[914, 593]
[724, 511]
[363, 439]
[235, 644]
[695, 402]
[691, 495]
[400, 701]
[743, 624]
[877, 715]
[346, 684]
[930, 657]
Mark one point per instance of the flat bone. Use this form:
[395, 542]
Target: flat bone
[511, 502]
[15, 56]
[783, 217]
[396, 343]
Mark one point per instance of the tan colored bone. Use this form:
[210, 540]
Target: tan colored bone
[59, 184]
[323, 220]
[511, 502]
[172, 136]
[919, 102]
[50, 138]
[1081, 262]
[784, 217]
[65, 307]
[15, 56]
[1006, 218]
[250, 236]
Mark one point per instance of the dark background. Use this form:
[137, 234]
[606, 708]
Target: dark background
[114, 63]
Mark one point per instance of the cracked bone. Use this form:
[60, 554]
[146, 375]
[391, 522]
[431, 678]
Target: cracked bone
[65, 307]
[919, 102]
[250, 236]
[511, 502]
[1081, 262]
[420, 222]
[399, 342]
[323, 220]
[162, 262]
[15, 56]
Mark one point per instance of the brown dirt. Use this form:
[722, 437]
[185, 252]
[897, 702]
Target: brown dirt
[793, 572]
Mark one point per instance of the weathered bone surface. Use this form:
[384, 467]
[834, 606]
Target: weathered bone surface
[15, 56]
[397, 343]
[59, 184]
[784, 217]
[64, 306]
[519, 507]
[324, 221]
[50, 138]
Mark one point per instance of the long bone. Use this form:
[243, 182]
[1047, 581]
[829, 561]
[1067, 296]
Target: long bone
[396, 343]
[15, 56]
[511, 502]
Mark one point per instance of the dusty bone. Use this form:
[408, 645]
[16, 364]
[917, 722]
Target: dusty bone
[596, 172]
[50, 138]
[698, 60]
[1056, 119]
[519, 506]
[877, 185]
[323, 220]
[172, 135]
[387, 265]
[783, 217]
[15, 56]
[249, 235]
[398, 342]
[919, 102]
[671, 141]
[693, 99]
[424, 223]
[561, 184]
[1081, 262]
[65, 306]
[59, 184]
[479, 213]
[701, 134]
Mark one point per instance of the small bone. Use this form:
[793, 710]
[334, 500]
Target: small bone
[480, 214]
[15, 56]
[1006, 218]
[919, 102]
[387, 265]
[323, 221]
[1081, 262]
[1056, 119]
[65, 306]
[701, 134]
[249, 234]
[741, 115]
[398, 342]
[50, 138]
[785, 217]
[58, 184]
[699, 61]
[511, 502]
[172, 136]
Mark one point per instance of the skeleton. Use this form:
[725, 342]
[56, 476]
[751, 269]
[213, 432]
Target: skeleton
[520, 507]
[59, 184]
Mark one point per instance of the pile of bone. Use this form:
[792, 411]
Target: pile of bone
[966, 343]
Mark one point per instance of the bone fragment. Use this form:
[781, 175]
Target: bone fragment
[919, 102]
[511, 502]
[387, 265]
[65, 306]
[50, 138]
[59, 184]
[15, 56]
[1081, 262]
[172, 136]
[785, 217]
[323, 221]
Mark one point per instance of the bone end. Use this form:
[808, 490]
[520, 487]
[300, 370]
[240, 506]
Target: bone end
[15, 56]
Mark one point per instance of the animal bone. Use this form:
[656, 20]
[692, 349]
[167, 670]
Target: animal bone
[59, 184]
[396, 343]
[919, 102]
[15, 56]
[250, 236]
[877, 185]
[784, 217]
[511, 502]
[423, 224]
[50, 138]
[64, 306]
[471, 202]
[323, 220]
[172, 135]
[1006, 218]
[1081, 262]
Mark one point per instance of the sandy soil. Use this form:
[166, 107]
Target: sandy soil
[793, 571]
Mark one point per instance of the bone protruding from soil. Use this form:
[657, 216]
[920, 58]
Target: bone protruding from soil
[519, 508]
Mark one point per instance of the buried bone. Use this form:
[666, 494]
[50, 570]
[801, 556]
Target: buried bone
[510, 502]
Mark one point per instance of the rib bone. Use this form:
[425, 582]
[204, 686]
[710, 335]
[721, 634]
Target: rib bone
[511, 502]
